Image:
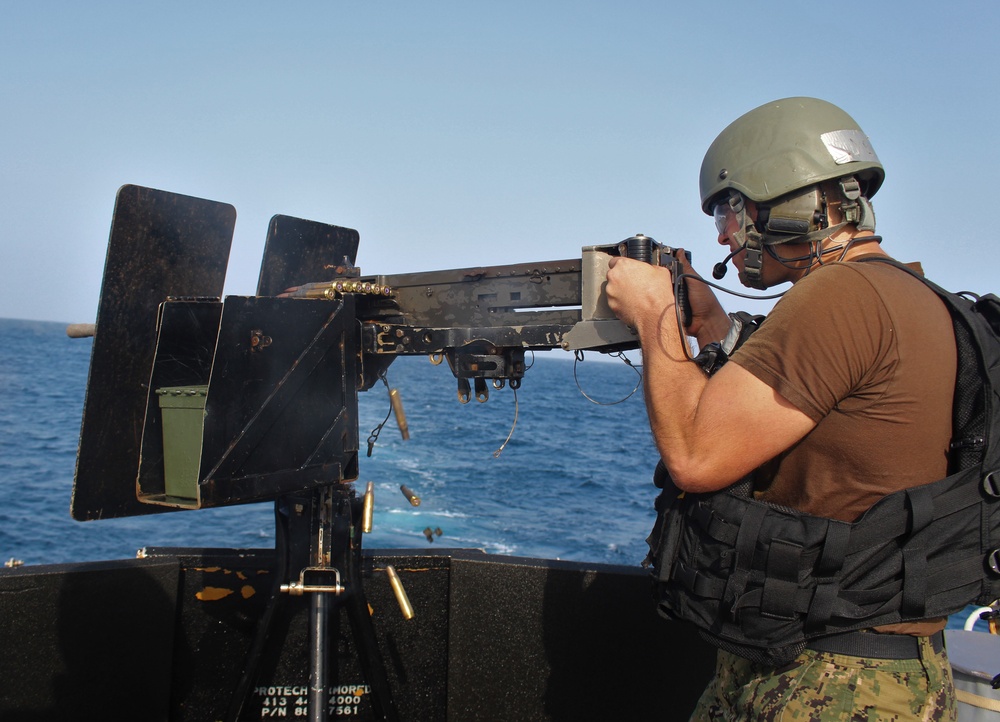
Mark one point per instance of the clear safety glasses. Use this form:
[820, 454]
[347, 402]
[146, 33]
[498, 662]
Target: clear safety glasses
[723, 214]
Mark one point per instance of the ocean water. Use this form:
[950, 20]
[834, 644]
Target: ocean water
[573, 482]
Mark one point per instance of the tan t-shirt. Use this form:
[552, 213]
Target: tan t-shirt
[868, 353]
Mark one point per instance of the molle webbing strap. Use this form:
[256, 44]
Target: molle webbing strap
[697, 583]
[920, 501]
[781, 580]
[746, 544]
[914, 582]
[957, 574]
[835, 545]
[714, 525]
[823, 604]
[825, 599]
[894, 515]
[846, 605]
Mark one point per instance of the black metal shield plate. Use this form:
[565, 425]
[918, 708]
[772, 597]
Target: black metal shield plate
[162, 244]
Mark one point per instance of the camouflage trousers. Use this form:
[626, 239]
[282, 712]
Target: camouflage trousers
[831, 688]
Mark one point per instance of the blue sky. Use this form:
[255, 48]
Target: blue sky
[455, 134]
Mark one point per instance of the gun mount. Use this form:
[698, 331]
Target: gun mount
[196, 401]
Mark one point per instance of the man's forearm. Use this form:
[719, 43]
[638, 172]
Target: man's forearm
[673, 387]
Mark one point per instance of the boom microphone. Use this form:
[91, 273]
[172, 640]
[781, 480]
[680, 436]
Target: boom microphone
[719, 270]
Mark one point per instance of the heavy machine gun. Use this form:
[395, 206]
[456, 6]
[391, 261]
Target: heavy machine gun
[196, 401]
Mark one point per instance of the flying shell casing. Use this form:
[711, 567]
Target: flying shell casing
[397, 408]
[410, 496]
[397, 588]
[368, 510]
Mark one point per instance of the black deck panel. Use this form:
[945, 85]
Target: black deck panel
[546, 640]
[87, 641]
[494, 639]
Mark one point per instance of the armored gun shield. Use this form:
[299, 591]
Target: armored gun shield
[195, 402]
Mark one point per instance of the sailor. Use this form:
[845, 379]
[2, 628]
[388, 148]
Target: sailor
[843, 394]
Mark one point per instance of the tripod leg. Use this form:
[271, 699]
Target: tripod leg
[372, 664]
[256, 652]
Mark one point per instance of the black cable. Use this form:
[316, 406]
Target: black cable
[679, 314]
[373, 436]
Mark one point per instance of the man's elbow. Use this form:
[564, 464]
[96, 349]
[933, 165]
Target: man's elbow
[698, 477]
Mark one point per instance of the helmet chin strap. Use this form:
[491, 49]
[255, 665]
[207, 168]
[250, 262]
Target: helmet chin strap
[856, 208]
[750, 240]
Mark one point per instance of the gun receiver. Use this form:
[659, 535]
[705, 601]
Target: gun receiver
[484, 319]
[195, 401]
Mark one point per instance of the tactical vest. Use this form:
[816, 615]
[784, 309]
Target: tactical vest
[761, 580]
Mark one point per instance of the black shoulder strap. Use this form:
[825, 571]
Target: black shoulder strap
[903, 267]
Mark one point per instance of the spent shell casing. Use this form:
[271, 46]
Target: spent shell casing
[410, 496]
[368, 510]
[397, 588]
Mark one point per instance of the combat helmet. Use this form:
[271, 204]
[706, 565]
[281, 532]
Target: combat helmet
[777, 155]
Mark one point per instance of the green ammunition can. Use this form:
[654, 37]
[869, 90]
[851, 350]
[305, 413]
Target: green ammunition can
[183, 414]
